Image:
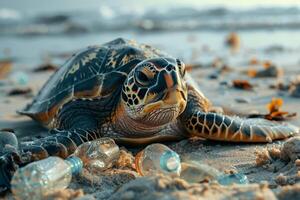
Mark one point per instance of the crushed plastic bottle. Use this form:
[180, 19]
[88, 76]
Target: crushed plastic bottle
[37, 178]
[157, 158]
[228, 179]
[98, 155]
[40, 177]
[195, 172]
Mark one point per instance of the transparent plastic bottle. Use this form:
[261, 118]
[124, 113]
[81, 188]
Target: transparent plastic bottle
[37, 178]
[33, 180]
[98, 155]
[228, 179]
[157, 158]
[195, 172]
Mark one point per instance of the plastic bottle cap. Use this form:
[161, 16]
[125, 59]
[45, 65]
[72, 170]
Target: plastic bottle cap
[172, 164]
[76, 164]
[169, 161]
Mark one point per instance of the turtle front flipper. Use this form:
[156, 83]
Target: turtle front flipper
[199, 122]
[233, 129]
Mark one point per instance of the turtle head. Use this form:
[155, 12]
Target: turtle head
[155, 92]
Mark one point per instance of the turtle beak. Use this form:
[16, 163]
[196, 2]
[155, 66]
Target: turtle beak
[177, 97]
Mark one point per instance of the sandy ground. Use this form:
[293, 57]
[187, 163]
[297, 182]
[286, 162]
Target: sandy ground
[124, 183]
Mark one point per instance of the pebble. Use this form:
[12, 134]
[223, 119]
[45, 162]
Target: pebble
[7, 139]
[271, 71]
[295, 90]
[242, 100]
[19, 91]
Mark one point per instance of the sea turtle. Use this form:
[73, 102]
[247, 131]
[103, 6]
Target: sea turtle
[133, 93]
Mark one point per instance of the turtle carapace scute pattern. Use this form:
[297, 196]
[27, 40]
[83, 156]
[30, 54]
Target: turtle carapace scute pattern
[135, 94]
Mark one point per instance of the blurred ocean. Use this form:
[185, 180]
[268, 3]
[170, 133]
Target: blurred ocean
[32, 29]
[33, 17]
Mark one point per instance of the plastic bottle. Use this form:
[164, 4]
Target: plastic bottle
[228, 179]
[37, 178]
[98, 155]
[196, 172]
[157, 158]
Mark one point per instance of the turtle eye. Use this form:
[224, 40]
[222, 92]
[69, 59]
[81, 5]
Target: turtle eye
[142, 78]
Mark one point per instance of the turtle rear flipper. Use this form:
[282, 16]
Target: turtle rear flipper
[234, 129]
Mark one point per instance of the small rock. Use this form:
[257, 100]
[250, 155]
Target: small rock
[46, 67]
[281, 179]
[19, 91]
[295, 88]
[233, 41]
[242, 100]
[291, 149]
[271, 71]
[7, 140]
[213, 76]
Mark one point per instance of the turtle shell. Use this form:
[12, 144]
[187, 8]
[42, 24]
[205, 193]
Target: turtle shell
[92, 73]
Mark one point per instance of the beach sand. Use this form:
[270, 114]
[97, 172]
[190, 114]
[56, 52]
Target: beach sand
[215, 82]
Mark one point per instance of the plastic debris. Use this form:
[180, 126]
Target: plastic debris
[157, 158]
[194, 172]
[98, 155]
[20, 78]
[40, 177]
[228, 179]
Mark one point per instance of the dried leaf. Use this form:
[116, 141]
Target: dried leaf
[252, 73]
[275, 105]
[242, 84]
[274, 111]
